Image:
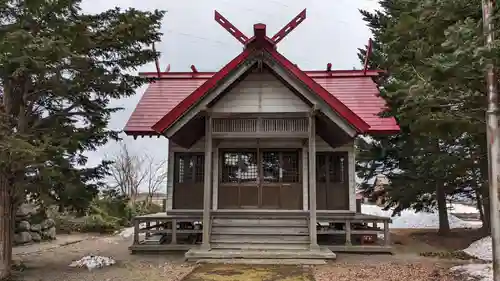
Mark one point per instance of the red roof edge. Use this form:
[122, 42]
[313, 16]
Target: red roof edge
[337, 105]
[310, 73]
[167, 120]
[384, 132]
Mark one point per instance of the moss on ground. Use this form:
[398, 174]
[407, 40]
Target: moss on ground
[232, 272]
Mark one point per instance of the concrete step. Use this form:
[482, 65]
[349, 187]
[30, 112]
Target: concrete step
[260, 222]
[260, 230]
[260, 246]
[265, 261]
[278, 239]
[197, 254]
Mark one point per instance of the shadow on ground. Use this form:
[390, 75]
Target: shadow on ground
[232, 272]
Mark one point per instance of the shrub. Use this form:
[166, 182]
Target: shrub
[106, 214]
[99, 224]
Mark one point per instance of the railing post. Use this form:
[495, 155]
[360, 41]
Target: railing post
[174, 232]
[348, 233]
[136, 231]
[387, 238]
[148, 227]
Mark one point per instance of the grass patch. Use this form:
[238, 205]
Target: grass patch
[457, 255]
[232, 272]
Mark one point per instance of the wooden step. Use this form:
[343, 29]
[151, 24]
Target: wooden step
[264, 261]
[278, 239]
[260, 222]
[260, 230]
[260, 246]
[196, 254]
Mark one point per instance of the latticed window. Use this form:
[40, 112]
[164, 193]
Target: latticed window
[280, 166]
[239, 167]
[270, 166]
[189, 168]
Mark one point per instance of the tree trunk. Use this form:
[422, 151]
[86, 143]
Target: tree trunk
[485, 194]
[444, 225]
[479, 205]
[6, 228]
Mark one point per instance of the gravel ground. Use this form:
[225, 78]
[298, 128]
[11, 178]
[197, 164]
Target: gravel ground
[385, 271]
[53, 264]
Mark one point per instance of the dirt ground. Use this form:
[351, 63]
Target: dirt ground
[52, 265]
[222, 272]
[458, 239]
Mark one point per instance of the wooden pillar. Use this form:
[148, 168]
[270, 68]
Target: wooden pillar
[351, 161]
[312, 183]
[207, 183]
[305, 178]
[215, 180]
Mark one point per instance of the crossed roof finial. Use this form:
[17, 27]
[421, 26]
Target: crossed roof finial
[226, 24]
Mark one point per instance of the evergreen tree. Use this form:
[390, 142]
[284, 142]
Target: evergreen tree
[438, 151]
[59, 70]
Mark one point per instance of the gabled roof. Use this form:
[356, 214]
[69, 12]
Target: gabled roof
[352, 95]
[347, 114]
[356, 91]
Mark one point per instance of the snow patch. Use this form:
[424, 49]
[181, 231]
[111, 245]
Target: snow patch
[458, 208]
[126, 232]
[412, 219]
[93, 262]
[481, 249]
[480, 272]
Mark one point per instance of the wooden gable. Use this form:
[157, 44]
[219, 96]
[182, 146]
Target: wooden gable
[260, 92]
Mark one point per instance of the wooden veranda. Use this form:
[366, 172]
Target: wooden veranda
[339, 231]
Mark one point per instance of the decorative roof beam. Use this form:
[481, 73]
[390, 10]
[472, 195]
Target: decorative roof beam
[289, 27]
[157, 62]
[367, 56]
[231, 28]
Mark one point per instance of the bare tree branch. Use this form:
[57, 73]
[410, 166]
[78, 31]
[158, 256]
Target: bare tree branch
[130, 172]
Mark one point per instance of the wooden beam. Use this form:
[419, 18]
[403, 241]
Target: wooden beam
[207, 184]
[215, 180]
[312, 184]
[367, 56]
[305, 177]
[231, 28]
[289, 27]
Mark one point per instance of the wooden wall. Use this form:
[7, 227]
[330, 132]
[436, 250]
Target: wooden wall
[321, 146]
[260, 93]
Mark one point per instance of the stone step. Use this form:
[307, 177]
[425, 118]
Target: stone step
[278, 239]
[260, 222]
[265, 261]
[197, 254]
[260, 246]
[260, 230]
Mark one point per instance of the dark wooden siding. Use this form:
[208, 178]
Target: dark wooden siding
[332, 181]
[188, 180]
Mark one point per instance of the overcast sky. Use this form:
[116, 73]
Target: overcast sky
[332, 32]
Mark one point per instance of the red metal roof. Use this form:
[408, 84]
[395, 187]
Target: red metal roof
[353, 97]
[356, 91]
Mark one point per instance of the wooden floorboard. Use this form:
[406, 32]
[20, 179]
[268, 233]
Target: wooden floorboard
[360, 249]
